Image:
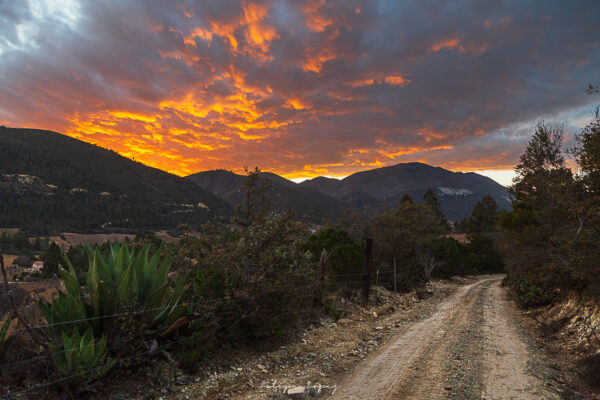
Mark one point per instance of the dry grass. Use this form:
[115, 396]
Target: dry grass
[75, 239]
[461, 237]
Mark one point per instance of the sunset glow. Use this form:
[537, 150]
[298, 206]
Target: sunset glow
[301, 89]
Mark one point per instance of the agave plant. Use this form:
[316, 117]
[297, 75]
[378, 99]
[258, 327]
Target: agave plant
[124, 283]
[3, 337]
[81, 358]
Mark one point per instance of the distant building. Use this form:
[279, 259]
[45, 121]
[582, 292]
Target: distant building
[37, 266]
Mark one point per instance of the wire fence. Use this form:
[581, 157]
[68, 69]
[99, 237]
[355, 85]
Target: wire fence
[67, 378]
[353, 280]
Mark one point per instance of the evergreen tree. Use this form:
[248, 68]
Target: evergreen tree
[483, 216]
[433, 203]
[51, 258]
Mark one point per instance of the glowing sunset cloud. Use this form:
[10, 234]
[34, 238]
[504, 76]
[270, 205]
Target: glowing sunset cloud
[300, 88]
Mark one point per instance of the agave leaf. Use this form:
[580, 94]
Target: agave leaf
[178, 322]
[172, 302]
[125, 286]
[4, 329]
[114, 252]
[92, 276]
[138, 267]
[154, 303]
[86, 349]
[71, 283]
[163, 271]
[106, 271]
[68, 264]
[151, 267]
[121, 262]
[99, 350]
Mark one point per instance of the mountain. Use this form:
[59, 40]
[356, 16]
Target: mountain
[51, 182]
[283, 193]
[322, 197]
[457, 192]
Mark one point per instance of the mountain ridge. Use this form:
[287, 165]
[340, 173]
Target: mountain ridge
[81, 186]
[377, 188]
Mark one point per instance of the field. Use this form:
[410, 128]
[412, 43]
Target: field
[67, 239]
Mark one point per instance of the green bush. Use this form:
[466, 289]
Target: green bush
[345, 258]
[252, 284]
[530, 294]
[478, 256]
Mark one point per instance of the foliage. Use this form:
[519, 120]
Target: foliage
[251, 282]
[404, 234]
[550, 237]
[18, 242]
[483, 216]
[344, 260]
[117, 192]
[432, 202]
[123, 283]
[477, 256]
[51, 258]
[81, 358]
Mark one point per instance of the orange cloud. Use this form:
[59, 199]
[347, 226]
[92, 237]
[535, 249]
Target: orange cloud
[297, 104]
[396, 80]
[314, 62]
[451, 43]
[203, 34]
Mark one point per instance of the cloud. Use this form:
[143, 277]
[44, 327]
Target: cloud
[299, 88]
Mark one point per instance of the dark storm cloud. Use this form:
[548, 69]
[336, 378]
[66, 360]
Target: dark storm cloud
[300, 88]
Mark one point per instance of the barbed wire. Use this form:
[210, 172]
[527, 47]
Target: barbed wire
[120, 360]
[130, 313]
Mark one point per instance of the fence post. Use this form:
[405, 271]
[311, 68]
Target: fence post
[367, 270]
[395, 279]
[321, 272]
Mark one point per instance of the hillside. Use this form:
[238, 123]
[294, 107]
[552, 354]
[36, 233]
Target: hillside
[457, 191]
[283, 193]
[51, 182]
[322, 197]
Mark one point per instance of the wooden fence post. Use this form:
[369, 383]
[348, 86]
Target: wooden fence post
[395, 278]
[321, 274]
[366, 277]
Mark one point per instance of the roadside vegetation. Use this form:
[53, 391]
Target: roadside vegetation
[551, 235]
[250, 282]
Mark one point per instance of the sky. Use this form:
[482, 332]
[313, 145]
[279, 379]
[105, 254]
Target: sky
[300, 88]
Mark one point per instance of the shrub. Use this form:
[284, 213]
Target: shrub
[252, 283]
[344, 261]
[531, 294]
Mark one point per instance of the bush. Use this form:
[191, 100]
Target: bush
[253, 283]
[345, 257]
[530, 294]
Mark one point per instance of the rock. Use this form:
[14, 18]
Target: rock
[379, 328]
[298, 392]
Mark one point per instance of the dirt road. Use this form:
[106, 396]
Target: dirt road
[469, 348]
